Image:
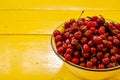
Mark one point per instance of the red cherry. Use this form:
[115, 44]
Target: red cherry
[72, 21]
[116, 49]
[84, 40]
[117, 56]
[97, 39]
[58, 44]
[92, 29]
[76, 54]
[74, 41]
[66, 35]
[118, 36]
[113, 58]
[100, 47]
[118, 26]
[101, 30]
[105, 43]
[93, 50]
[89, 64]
[69, 51]
[116, 42]
[70, 46]
[80, 23]
[101, 66]
[58, 38]
[94, 18]
[112, 51]
[78, 34]
[91, 24]
[103, 36]
[107, 55]
[66, 24]
[88, 34]
[99, 55]
[86, 55]
[90, 43]
[64, 45]
[93, 60]
[105, 60]
[82, 64]
[82, 59]
[82, 19]
[110, 38]
[110, 65]
[75, 60]
[67, 41]
[56, 32]
[74, 27]
[68, 30]
[100, 21]
[109, 44]
[68, 57]
[60, 50]
[86, 48]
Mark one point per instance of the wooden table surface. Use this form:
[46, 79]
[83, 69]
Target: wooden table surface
[25, 31]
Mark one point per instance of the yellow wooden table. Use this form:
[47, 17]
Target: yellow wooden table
[25, 31]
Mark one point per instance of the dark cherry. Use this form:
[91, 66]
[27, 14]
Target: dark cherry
[86, 48]
[89, 64]
[93, 60]
[97, 39]
[69, 51]
[86, 55]
[75, 60]
[101, 66]
[56, 32]
[68, 57]
[105, 61]
[84, 40]
[93, 50]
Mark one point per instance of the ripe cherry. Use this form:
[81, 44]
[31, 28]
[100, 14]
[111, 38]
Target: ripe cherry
[56, 32]
[86, 48]
[88, 33]
[97, 39]
[101, 66]
[60, 50]
[68, 57]
[58, 38]
[86, 55]
[66, 24]
[75, 60]
[93, 60]
[93, 50]
[78, 34]
[69, 51]
[91, 24]
[84, 40]
[105, 60]
[89, 64]
[101, 30]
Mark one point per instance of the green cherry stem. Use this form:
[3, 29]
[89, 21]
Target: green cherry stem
[81, 14]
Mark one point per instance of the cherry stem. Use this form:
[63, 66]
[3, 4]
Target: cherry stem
[81, 47]
[92, 55]
[101, 16]
[89, 17]
[81, 14]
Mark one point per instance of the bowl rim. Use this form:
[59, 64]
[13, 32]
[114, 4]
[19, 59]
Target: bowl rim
[77, 66]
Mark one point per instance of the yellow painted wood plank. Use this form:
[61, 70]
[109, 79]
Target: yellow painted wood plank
[43, 21]
[30, 57]
[60, 4]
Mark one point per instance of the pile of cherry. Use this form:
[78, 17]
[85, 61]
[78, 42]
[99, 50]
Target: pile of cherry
[91, 42]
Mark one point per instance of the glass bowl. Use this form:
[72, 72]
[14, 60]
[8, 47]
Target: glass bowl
[82, 72]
